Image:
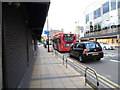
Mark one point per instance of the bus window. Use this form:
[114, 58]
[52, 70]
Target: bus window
[58, 40]
[68, 37]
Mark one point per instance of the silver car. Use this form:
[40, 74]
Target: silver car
[107, 46]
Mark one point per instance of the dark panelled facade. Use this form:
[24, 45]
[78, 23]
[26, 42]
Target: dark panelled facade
[22, 26]
[0, 46]
[30, 45]
[17, 47]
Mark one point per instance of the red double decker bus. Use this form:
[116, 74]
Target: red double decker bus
[63, 41]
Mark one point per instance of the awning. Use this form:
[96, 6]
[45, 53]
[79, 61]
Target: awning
[35, 12]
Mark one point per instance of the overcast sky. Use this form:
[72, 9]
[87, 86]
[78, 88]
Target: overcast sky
[64, 14]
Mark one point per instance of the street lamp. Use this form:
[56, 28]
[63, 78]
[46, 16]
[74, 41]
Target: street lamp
[48, 34]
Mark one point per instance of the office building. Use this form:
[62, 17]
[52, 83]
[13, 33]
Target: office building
[103, 21]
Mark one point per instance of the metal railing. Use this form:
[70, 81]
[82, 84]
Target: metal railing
[65, 62]
[64, 57]
[89, 82]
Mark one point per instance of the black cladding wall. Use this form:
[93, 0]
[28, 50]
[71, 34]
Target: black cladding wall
[17, 46]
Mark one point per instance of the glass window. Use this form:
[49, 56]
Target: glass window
[87, 18]
[98, 12]
[113, 4]
[95, 14]
[58, 40]
[74, 46]
[68, 37]
[92, 45]
[80, 46]
[119, 4]
[106, 7]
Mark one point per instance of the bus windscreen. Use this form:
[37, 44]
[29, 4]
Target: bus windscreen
[68, 37]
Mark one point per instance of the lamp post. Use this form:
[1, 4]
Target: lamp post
[77, 31]
[48, 34]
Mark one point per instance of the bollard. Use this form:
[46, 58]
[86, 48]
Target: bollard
[63, 59]
[57, 54]
[66, 62]
[53, 52]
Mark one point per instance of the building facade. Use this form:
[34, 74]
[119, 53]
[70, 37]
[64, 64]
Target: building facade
[103, 21]
[21, 25]
[53, 32]
[79, 31]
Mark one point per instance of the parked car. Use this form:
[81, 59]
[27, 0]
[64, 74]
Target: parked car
[107, 46]
[86, 51]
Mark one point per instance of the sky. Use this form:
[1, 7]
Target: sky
[64, 14]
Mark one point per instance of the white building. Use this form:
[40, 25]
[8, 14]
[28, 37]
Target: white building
[102, 14]
[103, 21]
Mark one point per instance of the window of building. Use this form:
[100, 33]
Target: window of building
[113, 4]
[106, 7]
[87, 18]
[98, 12]
[119, 4]
[95, 14]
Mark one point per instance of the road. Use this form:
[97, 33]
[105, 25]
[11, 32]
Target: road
[107, 68]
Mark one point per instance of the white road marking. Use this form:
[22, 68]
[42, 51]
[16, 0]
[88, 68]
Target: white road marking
[114, 60]
[70, 59]
[111, 55]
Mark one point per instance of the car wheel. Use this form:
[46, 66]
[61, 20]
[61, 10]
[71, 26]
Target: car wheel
[80, 59]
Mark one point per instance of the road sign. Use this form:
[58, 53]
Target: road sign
[46, 32]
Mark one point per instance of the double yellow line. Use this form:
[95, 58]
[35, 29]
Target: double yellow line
[102, 79]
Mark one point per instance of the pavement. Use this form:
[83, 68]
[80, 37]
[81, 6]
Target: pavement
[49, 72]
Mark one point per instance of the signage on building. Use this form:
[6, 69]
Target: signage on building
[47, 32]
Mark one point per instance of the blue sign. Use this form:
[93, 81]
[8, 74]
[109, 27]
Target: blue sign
[46, 32]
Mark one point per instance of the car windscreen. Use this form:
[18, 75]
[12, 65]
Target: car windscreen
[92, 45]
[68, 37]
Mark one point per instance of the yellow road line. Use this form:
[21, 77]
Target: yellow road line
[83, 67]
[105, 79]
